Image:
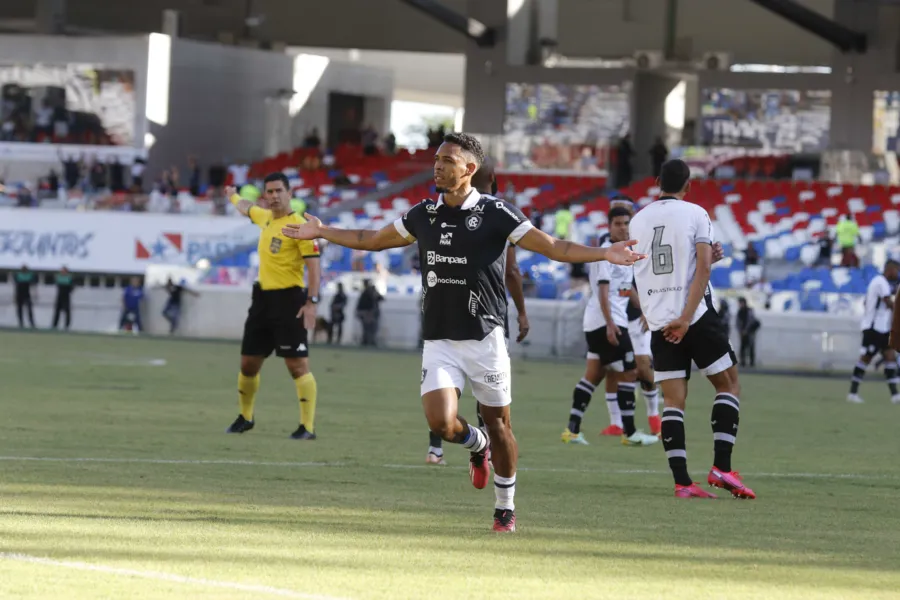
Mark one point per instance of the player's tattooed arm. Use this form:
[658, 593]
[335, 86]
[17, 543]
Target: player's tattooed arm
[357, 239]
[570, 252]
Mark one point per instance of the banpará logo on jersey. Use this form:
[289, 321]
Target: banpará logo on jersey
[447, 238]
[665, 290]
[432, 280]
[494, 377]
[473, 222]
[474, 301]
[502, 206]
[433, 258]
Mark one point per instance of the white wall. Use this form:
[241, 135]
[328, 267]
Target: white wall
[218, 107]
[347, 78]
[815, 341]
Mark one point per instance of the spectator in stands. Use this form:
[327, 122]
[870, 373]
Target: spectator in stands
[137, 173]
[564, 220]
[65, 284]
[751, 256]
[370, 141]
[747, 325]
[116, 176]
[390, 144]
[194, 177]
[131, 306]
[24, 198]
[624, 169]
[99, 178]
[847, 232]
[312, 139]
[825, 248]
[368, 312]
[24, 279]
[658, 155]
[217, 176]
[338, 306]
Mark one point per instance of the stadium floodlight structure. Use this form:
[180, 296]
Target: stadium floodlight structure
[473, 29]
[846, 39]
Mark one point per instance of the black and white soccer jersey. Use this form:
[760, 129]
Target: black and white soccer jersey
[668, 231]
[878, 314]
[463, 259]
[631, 311]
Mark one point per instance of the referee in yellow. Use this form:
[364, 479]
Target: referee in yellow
[282, 309]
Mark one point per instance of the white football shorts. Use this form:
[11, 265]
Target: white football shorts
[484, 363]
[640, 340]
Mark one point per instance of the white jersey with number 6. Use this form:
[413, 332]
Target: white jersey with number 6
[667, 231]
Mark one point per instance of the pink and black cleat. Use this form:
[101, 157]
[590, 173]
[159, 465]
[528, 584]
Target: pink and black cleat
[730, 481]
[504, 520]
[692, 491]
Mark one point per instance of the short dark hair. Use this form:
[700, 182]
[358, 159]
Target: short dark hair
[277, 176]
[673, 176]
[618, 211]
[891, 262]
[484, 179]
[469, 143]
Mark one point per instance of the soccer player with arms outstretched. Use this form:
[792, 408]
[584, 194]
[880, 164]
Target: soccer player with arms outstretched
[485, 181]
[677, 301]
[282, 308]
[462, 245]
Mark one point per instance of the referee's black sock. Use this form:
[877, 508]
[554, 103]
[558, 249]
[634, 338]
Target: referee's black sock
[859, 371]
[625, 396]
[581, 397]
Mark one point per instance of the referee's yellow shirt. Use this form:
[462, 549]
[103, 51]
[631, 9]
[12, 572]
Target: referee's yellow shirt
[281, 259]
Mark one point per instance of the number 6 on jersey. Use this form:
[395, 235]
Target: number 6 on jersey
[661, 253]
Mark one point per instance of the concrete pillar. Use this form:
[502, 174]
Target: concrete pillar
[50, 16]
[485, 93]
[648, 115]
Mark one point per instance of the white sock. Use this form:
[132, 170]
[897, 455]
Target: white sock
[505, 492]
[652, 400]
[435, 451]
[476, 441]
[612, 405]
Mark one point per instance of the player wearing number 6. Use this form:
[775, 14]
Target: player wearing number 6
[677, 301]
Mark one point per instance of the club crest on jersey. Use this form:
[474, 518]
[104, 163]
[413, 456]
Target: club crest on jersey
[447, 238]
[473, 222]
[275, 245]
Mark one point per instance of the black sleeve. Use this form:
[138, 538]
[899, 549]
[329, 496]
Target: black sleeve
[410, 223]
[510, 221]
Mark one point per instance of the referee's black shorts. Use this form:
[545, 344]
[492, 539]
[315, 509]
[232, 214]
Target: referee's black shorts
[272, 324]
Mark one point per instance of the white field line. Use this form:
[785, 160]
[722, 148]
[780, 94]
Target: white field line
[157, 576]
[307, 465]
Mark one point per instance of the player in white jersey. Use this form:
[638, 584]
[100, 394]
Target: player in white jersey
[876, 331]
[678, 303]
[609, 346]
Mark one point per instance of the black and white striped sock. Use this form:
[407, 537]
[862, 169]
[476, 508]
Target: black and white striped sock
[859, 371]
[581, 397]
[673, 442]
[726, 415]
[626, 407]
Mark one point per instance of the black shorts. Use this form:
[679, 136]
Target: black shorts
[272, 324]
[619, 358]
[705, 343]
[874, 342]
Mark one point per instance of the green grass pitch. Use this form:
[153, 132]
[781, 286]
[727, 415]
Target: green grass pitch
[139, 494]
